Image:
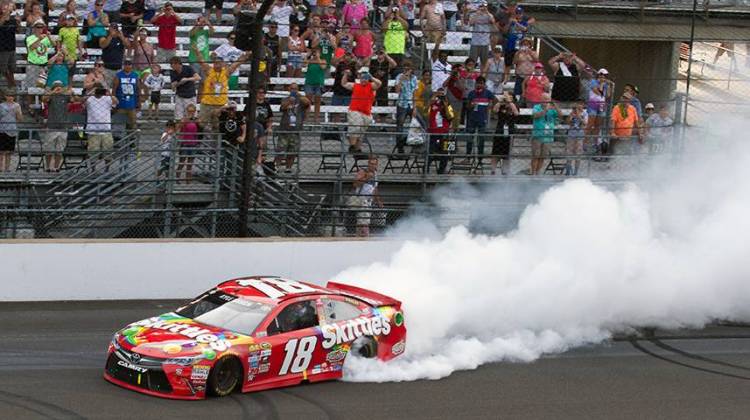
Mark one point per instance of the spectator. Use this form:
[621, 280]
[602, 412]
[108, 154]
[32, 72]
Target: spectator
[230, 53]
[95, 77]
[113, 50]
[8, 28]
[659, 129]
[328, 19]
[293, 111]
[481, 23]
[166, 22]
[507, 117]
[523, 61]
[154, 82]
[394, 37]
[71, 44]
[624, 124]
[188, 130]
[633, 91]
[315, 79]
[455, 88]
[215, 88]
[99, 122]
[422, 98]
[280, 14]
[300, 16]
[364, 40]
[432, 18]
[295, 54]
[353, 13]
[480, 102]
[596, 106]
[648, 111]
[469, 74]
[365, 194]
[167, 143]
[577, 123]
[126, 86]
[57, 71]
[263, 118]
[69, 10]
[56, 99]
[327, 44]
[10, 115]
[345, 68]
[37, 45]
[494, 70]
[199, 43]
[381, 67]
[273, 41]
[216, 6]
[441, 69]
[131, 12]
[438, 127]
[33, 15]
[360, 109]
[545, 114]
[243, 6]
[183, 83]
[112, 9]
[567, 68]
[535, 85]
[450, 8]
[231, 124]
[314, 30]
[345, 39]
[143, 53]
[98, 22]
[406, 85]
[151, 7]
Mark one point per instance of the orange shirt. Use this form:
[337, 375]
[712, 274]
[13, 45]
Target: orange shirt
[624, 126]
[362, 98]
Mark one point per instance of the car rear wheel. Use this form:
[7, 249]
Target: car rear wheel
[366, 347]
[225, 376]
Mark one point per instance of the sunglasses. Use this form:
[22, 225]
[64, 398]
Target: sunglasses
[233, 37]
[99, 65]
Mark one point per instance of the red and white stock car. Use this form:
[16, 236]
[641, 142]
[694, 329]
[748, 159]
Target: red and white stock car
[254, 333]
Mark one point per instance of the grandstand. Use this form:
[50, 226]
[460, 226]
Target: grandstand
[130, 198]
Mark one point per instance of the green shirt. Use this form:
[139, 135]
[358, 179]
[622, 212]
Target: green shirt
[395, 38]
[37, 55]
[69, 37]
[200, 40]
[326, 49]
[315, 75]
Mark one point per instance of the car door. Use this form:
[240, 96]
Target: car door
[290, 347]
[337, 310]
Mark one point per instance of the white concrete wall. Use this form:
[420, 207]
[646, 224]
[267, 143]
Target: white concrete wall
[35, 271]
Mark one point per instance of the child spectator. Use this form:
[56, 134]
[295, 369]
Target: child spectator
[577, 122]
[544, 115]
[154, 82]
[230, 53]
[166, 145]
[98, 22]
[659, 129]
[10, 115]
[188, 130]
[314, 80]
[295, 53]
[166, 21]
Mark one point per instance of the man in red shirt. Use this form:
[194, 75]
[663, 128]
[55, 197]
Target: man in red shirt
[166, 21]
[360, 108]
[439, 125]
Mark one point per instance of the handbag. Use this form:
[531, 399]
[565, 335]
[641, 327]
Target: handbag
[41, 81]
[416, 136]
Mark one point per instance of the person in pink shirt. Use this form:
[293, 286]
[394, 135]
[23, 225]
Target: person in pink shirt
[364, 39]
[353, 13]
[535, 85]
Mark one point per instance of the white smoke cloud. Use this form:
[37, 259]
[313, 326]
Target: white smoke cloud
[583, 263]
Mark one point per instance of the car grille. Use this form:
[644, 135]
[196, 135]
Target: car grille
[153, 379]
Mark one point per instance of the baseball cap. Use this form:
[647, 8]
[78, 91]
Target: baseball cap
[650, 106]
[232, 104]
[70, 17]
[538, 65]
[499, 48]
[39, 22]
[57, 82]
[602, 71]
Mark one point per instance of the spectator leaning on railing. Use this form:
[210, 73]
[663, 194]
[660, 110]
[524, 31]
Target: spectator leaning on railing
[659, 129]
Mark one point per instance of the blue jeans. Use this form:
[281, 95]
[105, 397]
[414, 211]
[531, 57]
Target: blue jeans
[401, 114]
[339, 100]
[479, 128]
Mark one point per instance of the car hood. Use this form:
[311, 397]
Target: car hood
[173, 336]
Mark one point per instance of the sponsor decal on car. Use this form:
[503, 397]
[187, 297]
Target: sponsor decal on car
[264, 367]
[200, 372]
[336, 356]
[201, 335]
[131, 366]
[342, 333]
[398, 348]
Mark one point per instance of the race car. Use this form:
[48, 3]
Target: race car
[255, 333]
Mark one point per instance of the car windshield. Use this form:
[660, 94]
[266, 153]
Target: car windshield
[221, 310]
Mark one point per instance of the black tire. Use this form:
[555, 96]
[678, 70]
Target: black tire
[366, 347]
[225, 376]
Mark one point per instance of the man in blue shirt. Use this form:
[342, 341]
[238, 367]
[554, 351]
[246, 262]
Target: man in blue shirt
[480, 101]
[126, 86]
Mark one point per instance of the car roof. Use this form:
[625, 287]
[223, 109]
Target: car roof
[271, 289]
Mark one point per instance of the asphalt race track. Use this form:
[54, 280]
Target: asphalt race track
[52, 356]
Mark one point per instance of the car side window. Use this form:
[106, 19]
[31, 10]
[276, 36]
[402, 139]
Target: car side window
[296, 316]
[338, 310]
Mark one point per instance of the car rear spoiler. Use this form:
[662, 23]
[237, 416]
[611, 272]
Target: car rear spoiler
[363, 294]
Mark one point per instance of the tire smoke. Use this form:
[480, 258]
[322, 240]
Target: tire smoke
[583, 263]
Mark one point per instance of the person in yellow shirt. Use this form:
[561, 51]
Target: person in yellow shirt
[422, 96]
[215, 88]
[71, 42]
[625, 125]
